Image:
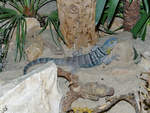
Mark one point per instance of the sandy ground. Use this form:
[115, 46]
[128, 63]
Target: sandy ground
[122, 77]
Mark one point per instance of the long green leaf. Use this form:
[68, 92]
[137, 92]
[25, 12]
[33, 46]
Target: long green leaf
[36, 5]
[146, 4]
[6, 23]
[22, 3]
[142, 21]
[58, 31]
[23, 36]
[111, 10]
[17, 6]
[130, 1]
[100, 4]
[25, 3]
[53, 18]
[28, 3]
[32, 5]
[7, 10]
[17, 41]
[143, 32]
[5, 16]
[51, 31]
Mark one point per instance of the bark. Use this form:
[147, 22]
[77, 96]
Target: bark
[131, 14]
[77, 22]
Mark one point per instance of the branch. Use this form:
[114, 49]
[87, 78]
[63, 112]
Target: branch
[130, 98]
[89, 91]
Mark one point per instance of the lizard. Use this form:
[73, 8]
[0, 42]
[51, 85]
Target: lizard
[96, 56]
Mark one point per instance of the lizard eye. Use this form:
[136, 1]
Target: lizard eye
[111, 42]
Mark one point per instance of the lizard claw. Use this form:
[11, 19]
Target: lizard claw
[116, 57]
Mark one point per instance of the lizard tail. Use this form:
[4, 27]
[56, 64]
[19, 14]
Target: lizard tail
[34, 62]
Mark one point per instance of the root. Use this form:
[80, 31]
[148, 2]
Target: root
[88, 91]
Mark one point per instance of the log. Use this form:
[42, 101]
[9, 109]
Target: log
[77, 22]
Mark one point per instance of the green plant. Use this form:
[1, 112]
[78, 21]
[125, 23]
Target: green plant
[106, 10]
[10, 19]
[14, 18]
[52, 19]
[139, 30]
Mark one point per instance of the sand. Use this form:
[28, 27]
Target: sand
[123, 77]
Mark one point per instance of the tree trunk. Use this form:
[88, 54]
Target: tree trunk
[77, 22]
[131, 13]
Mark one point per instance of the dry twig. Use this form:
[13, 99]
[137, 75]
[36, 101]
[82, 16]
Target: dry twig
[146, 100]
[130, 98]
[90, 90]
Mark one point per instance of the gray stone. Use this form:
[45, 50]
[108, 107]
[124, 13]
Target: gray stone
[48, 8]
[36, 92]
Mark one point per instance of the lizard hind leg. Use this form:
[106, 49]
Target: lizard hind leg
[74, 68]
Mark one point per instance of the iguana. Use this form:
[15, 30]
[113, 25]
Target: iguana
[96, 56]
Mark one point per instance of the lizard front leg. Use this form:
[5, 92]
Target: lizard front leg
[107, 60]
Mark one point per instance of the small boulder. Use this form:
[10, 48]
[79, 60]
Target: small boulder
[36, 92]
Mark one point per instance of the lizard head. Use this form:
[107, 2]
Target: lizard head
[109, 44]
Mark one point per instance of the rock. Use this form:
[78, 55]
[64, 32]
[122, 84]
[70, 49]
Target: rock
[34, 44]
[34, 51]
[48, 8]
[36, 92]
[32, 23]
[116, 24]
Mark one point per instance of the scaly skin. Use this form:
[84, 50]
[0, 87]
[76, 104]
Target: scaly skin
[97, 56]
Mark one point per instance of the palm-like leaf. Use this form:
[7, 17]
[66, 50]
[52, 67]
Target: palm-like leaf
[15, 19]
[105, 12]
[52, 19]
[100, 4]
[28, 7]
[10, 20]
[111, 10]
[139, 29]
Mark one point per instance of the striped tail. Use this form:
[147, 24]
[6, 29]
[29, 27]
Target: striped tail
[37, 61]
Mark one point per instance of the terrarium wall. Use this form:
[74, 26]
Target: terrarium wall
[77, 22]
